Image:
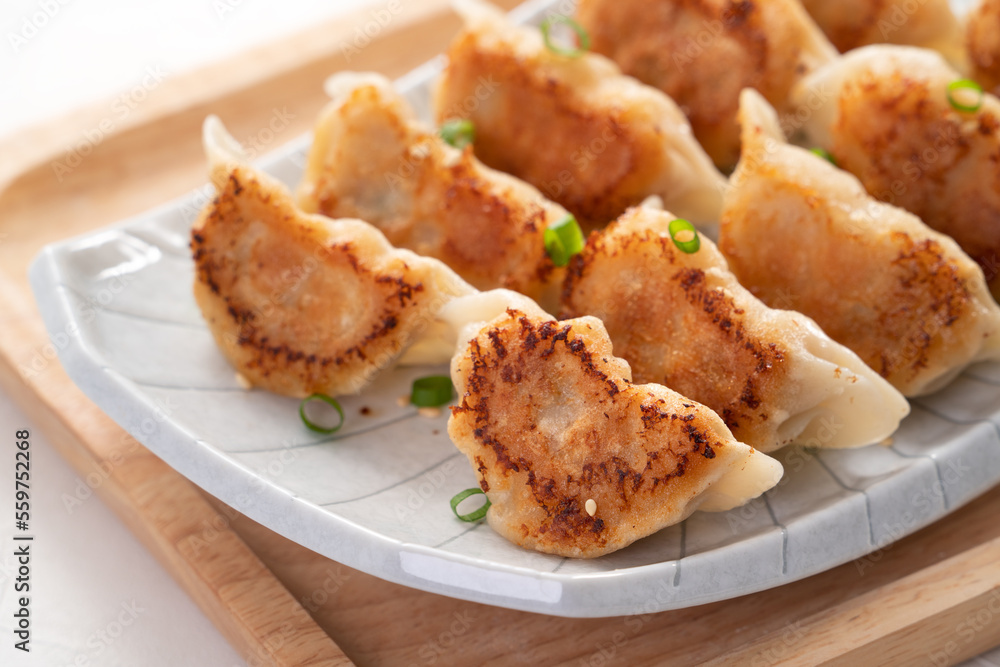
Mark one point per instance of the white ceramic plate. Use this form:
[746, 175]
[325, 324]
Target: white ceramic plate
[118, 306]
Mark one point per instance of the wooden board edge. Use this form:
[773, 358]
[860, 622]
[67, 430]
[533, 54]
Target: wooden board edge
[941, 615]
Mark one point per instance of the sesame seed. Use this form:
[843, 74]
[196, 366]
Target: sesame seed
[243, 382]
[403, 401]
[429, 412]
[591, 507]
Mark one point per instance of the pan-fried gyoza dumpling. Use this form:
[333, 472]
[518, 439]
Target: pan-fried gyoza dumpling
[683, 320]
[888, 121]
[575, 459]
[800, 233]
[587, 136]
[854, 23]
[702, 54]
[372, 160]
[982, 39]
[301, 303]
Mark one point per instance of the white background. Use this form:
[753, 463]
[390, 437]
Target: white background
[87, 570]
[98, 598]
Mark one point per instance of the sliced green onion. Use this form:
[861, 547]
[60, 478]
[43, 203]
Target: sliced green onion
[313, 426]
[431, 392]
[472, 516]
[965, 95]
[825, 155]
[563, 239]
[459, 132]
[685, 236]
[582, 38]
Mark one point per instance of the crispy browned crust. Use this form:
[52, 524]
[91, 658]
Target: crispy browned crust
[910, 149]
[702, 53]
[590, 161]
[851, 23]
[549, 419]
[983, 43]
[486, 229]
[890, 296]
[292, 312]
[677, 330]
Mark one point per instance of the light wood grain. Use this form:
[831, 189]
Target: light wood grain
[901, 607]
[280, 603]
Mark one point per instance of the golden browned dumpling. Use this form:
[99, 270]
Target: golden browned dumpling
[300, 303]
[800, 233]
[982, 39]
[854, 23]
[682, 320]
[575, 459]
[588, 137]
[702, 53]
[372, 160]
[889, 122]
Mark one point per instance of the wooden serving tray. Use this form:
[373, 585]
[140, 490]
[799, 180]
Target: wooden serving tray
[931, 598]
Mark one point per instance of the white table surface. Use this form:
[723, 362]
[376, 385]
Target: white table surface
[98, 598]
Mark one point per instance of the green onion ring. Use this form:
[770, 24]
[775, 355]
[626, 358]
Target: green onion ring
[458, 132]
[563, 239]
[432, 391]
[689, 246]
[472, 516]
[316, 427]
[963, 85]
[581, 34]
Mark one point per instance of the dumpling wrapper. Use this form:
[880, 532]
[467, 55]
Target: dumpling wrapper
[580, 131]
[887, 120]
[549, 419]
[300, 303]
[371, 159]
[982, 40]
[702, 54]
[682, 320]
[851, 24]
[802, 234]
